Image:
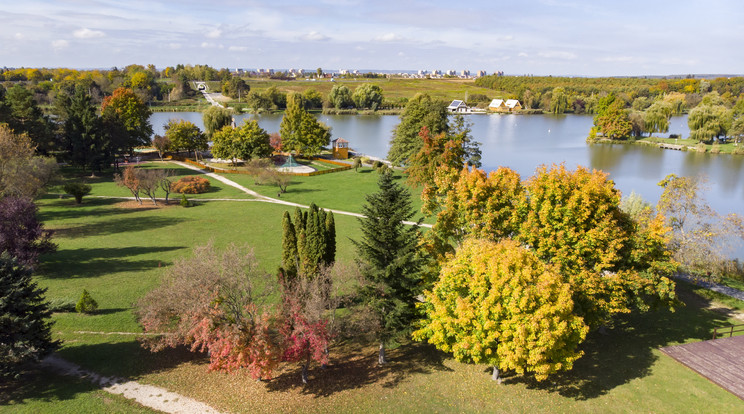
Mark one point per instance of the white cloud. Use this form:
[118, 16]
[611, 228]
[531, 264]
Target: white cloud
[401, 54]
[237, 48]
[18, 36]
[313, 35]
[523, 54]
[207, 45]
[557, 55]
[214, 34]
[174, 46]
[86, 33]
[60, 44]
[616, 59]
[388, 37]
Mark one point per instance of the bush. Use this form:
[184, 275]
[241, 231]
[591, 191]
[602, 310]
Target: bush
[700, 147]
[77, 190]
[715, 149]
[365, 160]
[739, 150]
[191, 185]
[86, 304]
[185, 201]
[377, 164]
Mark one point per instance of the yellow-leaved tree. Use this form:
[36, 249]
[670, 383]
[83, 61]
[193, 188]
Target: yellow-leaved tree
[499, 304]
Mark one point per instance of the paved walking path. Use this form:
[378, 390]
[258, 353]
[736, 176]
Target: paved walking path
[147, 395]
[716, 287]
[263, 198]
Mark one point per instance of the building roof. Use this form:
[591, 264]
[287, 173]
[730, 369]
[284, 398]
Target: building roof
[456, 104]
[511, 103]
[339, 140]
[496, 103]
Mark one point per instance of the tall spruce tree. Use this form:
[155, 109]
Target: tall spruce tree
[390, 263]
[25, 329]
[308, 241]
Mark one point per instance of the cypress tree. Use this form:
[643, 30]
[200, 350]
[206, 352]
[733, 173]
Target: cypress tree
[391, 265]
[289, 246]
[330, 237]
[25, 330]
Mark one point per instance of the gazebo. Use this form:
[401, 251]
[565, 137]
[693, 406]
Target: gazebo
[340, 148]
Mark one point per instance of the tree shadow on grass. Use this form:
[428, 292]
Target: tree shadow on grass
[93, 262]
[91, 207]
[38, 384]
[119, 225]
[352, 368]
[626, 352]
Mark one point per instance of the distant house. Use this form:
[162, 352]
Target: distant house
[513, 105]
[457, 106]
[340, 148]
[497, 105]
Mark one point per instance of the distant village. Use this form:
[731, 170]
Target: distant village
[420, 74]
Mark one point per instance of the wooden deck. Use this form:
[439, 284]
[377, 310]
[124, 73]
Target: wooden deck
[719, 360]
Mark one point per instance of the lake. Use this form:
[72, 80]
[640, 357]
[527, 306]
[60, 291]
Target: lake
[523, 142]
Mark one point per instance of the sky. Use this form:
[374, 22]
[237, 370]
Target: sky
[538, 37]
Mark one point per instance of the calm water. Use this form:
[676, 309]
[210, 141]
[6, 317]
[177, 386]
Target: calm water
[523, 142]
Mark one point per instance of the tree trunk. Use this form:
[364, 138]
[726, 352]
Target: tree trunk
[381, 358]
[304, 369]
[495, 375]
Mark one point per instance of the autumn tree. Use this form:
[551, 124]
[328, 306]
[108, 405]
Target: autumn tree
[162, 144]
[25, 326]
[22, 173]
[215, 302]
[185, 135]
[129, 114]
[244, 142]
[388, 254]
[498, 304]
[130, 180]
[420, 111]
[612, 119]
[702, 239]
[21, 233]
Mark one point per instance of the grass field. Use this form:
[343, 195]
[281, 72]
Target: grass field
[119, 253]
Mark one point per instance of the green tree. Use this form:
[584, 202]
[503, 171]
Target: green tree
[215, 118]
[559, 101]
[301, 132]
[235, 88]
[128, 114]
[390, 263]
[312, 99]
[656, 117]
[498, 304]
[308, 243]
[185, 135]
[25, 116]
[367, 96]
[25, 326]
[244, 142]
[340, 96]
[86, 142]
[420, 111]
[708, 121]
[290, 254]
[22, 174]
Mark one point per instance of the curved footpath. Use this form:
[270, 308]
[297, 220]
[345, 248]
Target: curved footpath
[148, 395]
[263, 198]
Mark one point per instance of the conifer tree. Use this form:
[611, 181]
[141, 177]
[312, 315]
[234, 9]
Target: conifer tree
[289, 246]
[25, 332]
[388, 252]
[330, 230]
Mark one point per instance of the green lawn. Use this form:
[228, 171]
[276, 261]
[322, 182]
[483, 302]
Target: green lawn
[118, 254]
